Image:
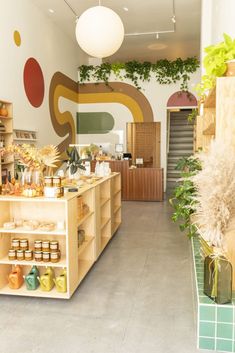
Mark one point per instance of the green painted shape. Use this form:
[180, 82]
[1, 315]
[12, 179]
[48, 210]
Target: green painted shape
[94, 123]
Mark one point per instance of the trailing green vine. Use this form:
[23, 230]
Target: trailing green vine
[164, 71]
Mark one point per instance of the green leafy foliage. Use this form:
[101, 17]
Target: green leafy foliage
[192, 116]
[164, 71]
[214, 62]
[183, 200]
[74, 162]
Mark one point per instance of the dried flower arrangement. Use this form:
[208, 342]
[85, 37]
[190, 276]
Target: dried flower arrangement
[34, 158]
[215, 185]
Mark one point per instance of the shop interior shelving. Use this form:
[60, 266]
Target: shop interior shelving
[101, 220]
[6, 139]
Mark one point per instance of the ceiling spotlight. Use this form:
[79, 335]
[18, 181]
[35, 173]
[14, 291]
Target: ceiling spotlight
[157, 36]
[51, 10]
[125, 9]
[173, 19]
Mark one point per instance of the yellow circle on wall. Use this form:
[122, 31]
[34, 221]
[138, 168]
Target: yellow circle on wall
[17, 38]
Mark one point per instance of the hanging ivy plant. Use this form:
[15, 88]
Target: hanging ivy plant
[164, 71]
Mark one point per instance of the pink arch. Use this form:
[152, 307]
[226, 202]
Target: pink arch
[182, 99]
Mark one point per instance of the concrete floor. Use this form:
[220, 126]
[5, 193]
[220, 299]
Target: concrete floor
[137, 298]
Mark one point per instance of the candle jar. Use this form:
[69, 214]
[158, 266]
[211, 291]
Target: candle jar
[55, 256]
[46, 245]
[15, 243]
[12, 254]
[28, 255]
[20, 255]
[54, 245]
[24, 244]
[38, 256]
[46, 256]
[37, 245]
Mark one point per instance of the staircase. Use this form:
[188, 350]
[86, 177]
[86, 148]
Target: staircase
[180, 145]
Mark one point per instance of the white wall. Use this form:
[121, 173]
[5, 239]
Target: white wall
[157, 96]
[54, 51]
[217, 18]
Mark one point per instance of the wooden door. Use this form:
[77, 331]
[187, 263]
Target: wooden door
[143, 141]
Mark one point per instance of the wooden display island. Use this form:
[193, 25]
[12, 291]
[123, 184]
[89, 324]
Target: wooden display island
[100, 222]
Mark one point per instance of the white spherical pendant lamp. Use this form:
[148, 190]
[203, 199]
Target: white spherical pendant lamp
[99, 31]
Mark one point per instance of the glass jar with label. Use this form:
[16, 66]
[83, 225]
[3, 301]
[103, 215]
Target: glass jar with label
[37, 245]
[24, 244]
[38, 256]
[20, 255]
[54, 245]
[55, 256]
[12, 254]
[28, 255]
[15, 243]
[46, 256]
[46, 245]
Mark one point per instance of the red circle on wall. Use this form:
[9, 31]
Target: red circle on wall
[34, 82]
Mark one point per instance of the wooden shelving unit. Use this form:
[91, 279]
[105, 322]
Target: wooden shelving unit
[99, 225]
[6, 139]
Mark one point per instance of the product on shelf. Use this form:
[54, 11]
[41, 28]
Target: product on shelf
[15, 278]
[24, 244]
[38, 245]
[46, 245]
[47, 280]
[15, 243]
[54, 245]
[46, 256]
[18, 222]
[48, 181]
[60, 225]
[12, 254]
[30, 225]
[20, 255]
[38, 256]
[81, 237]
[46, 226]
[28, 255]
[61, 282]
[55, 256]
[31, 279]
[9, 225]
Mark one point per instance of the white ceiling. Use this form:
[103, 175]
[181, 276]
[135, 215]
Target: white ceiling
[143, 16]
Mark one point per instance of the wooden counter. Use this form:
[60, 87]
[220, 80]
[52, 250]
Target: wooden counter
[100, 223]
[143, 184]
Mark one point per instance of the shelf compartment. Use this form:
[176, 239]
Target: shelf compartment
[6, 261]
[33, 293]
[84, 218]
[83, 268]
[104, 200]
[21, 230]
[116, 208]
[104, 222]
[85, 244]
[115, 226]
[116, 192]
[104, 242]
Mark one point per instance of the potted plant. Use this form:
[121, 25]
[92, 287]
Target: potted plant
[219, 60]
[74, 163]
